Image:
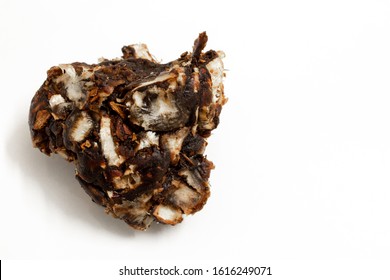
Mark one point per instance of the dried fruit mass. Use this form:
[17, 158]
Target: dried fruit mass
[135, 129]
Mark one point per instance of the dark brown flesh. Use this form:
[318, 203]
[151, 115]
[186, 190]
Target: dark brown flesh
[135, 129]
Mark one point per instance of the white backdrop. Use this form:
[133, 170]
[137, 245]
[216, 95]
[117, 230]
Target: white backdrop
[302, 153]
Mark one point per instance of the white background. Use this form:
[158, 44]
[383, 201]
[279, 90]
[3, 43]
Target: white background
[302, 153]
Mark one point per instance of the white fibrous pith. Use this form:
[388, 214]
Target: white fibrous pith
[168, 214]
[173, 142]
[193, 179]
[141, 51]
[216, 70]
[185, 197]
[150, 138]
[55, 100]
[160, 110]
[74, 83]
[107, 142]
[81, 127]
